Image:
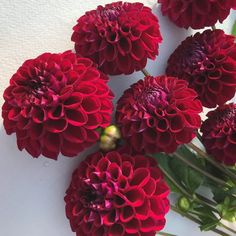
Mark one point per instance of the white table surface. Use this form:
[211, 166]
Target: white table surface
[32, 190]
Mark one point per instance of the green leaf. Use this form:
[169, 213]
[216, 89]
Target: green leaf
[227, 209]
[191, 179]
[208, 220]
[172, 187]
[209, 226]
[234, 29]
[221, 193]
[163, 161]
[191, 156]
[206, 211]
[231, 191]
[218, 192]
[179, 168]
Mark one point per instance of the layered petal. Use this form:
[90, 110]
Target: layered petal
[208, 62]
[219, 134]
[117, 194]
[54, 104]
[157, 114]
[119, 37]
[196, 14]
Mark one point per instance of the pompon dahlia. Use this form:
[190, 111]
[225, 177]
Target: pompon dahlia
[219, 134]
[157, 114]
[54, 104]
[117, 194]
[196, 14]
[119, 37]
[208, 62]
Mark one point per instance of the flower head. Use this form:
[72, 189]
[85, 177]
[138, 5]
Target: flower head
[196, 13]
[219, 134]
[117, 194]
[208, 62]
[119, 37]
[54, 104]
[157, 114]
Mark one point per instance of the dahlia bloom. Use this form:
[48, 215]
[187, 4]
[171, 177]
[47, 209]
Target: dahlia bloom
[208, 62]
[54, 104]
[196, 14]
[117, 194]
[119, 37]
[157, 114]
[219, 134]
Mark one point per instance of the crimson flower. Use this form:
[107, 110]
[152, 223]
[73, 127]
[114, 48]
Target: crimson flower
[119, 37]
[196, 14]
[219, 134]
[208, 62]
[54, 104]
[157, 114]
[117, 194]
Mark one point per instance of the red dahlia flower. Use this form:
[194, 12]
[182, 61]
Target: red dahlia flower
[219, 134]
[117, 194]
[196, 13]
[54, 104]
[208, 62]
[157, 114]
[118, 37]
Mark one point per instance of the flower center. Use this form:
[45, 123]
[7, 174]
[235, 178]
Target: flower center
[194, 58]
[152, 98]
[38, 86]
[227, 116]
[96, 196]
[111, 13]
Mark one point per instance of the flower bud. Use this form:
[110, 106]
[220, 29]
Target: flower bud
[112, 131]
[107, 143]
[184, 204]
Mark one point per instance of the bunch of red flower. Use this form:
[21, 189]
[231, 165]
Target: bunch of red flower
[55, 104]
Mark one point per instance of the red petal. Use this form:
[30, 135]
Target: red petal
[127, 213]
[116, 230]
[140, 177]
[135, 196]
[76, 117]
[91, 104]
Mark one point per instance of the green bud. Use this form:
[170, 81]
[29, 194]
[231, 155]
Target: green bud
[230, 216]
[107, 143]
[112, 131]
[184, 204]
[227, 209]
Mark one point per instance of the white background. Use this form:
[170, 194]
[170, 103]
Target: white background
[32, 190]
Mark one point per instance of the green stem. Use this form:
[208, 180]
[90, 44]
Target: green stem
[200, 200]
[201, 214]
[190, 217]
[213, 27]
[145, 72]
[199, 137]
[228, 228]
[206, 200]
[210, 160]
[177, 185]
[220, 223]
[166, 234]
[185, 214]
[213, 178]
[193, 197]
